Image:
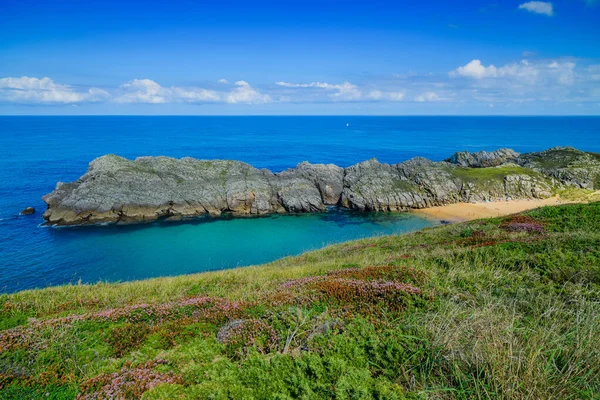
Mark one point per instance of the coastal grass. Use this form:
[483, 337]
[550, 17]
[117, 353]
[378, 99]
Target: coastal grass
[495, 175]
[503, 308]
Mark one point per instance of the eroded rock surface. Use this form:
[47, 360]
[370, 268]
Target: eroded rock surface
[117, 190]
[568, 165]
[483, 159]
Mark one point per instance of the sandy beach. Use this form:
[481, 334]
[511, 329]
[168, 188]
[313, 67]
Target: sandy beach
[469, 211]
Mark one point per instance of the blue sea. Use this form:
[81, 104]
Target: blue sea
[37, 152]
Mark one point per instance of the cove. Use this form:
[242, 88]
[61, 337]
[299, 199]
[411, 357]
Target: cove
[123, 253]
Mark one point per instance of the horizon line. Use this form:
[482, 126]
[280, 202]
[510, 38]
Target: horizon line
[304, 115]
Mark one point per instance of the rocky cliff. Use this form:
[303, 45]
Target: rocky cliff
[117, 190]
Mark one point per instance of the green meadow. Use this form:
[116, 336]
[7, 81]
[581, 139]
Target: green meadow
[502, 308]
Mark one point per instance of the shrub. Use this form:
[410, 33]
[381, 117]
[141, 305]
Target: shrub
[127, 337]
[339, 287]
[522, 223]
[239, 336]
[129, 383]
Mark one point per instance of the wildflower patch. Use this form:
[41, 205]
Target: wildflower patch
[129, 383]
[358, 287]
[522, 223]
[239, 336]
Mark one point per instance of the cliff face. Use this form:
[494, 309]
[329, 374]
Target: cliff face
[117, 190]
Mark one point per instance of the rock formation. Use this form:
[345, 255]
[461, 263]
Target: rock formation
[117, 190]
[28, 211]
[568, 165]
[483, 159]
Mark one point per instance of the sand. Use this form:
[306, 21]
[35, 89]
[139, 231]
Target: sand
[469, 211]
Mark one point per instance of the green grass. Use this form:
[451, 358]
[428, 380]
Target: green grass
[493, 174]
[577, 194]
[478, 310]
[564, 158]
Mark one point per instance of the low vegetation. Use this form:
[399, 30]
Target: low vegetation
[504, 308]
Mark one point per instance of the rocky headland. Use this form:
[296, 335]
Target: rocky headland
[117, 190]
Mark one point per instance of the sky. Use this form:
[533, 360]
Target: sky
[184, 57]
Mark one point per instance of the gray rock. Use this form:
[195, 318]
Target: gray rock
[117, 190]
[483, 159]
[226, 329]
[372, 186]
[568, 165]
[328, 178]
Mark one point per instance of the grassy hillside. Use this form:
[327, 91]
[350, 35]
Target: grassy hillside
[498, 308]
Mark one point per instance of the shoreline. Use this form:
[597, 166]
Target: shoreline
[459, 212]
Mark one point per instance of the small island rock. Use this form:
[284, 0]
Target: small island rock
[28, 211]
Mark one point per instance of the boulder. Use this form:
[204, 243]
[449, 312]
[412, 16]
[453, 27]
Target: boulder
[483, 159]
[28, 211]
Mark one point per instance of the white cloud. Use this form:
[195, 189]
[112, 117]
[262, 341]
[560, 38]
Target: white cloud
[564, 72]
[143, 91]
[476, 70]
[224, 81]
[322, 85]
[389, 96]
[148, 91]
[557, 81]
[427, 97]
[376, 95]
[538, 7]
[245, 93]
[195, 95]
[45, 90]
[594, 71]
[347, 91]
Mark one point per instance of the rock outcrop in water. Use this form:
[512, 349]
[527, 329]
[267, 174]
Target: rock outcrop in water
[28, 211]
[117, 190]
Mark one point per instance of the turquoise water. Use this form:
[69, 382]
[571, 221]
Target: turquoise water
[36, 152]
[121, 253]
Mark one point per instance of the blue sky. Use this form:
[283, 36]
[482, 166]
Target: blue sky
[310, 57]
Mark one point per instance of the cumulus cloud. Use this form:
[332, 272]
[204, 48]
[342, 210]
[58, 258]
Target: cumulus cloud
[476, 70]
[538, 7]
[245, 93]
[389, 96]
[594, 72]
[45, 91]
[347, 91]
[529, 80]
[148, 91]
[554, 81]
[525, 72]
[322, 85]
[427, 97]
[143, 91]
[564, 72]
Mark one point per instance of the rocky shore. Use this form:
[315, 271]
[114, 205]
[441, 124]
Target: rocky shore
[117, 190]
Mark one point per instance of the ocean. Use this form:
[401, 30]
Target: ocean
[37, 152]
